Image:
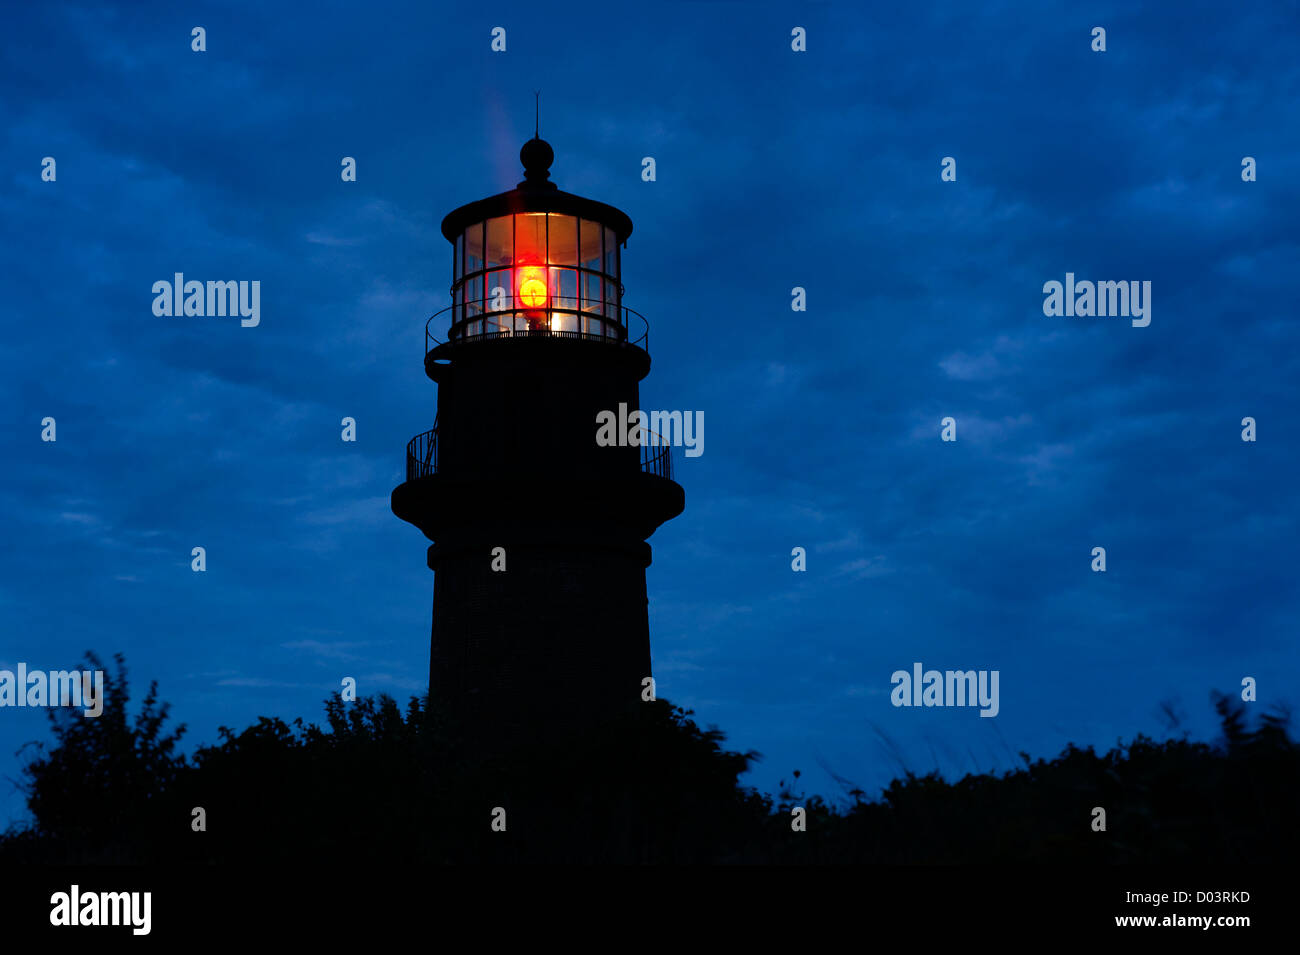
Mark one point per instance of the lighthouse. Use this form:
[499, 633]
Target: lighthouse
[539, 532]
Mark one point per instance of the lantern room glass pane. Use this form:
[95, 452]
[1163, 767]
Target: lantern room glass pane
[500, 292]
[500, 241]
[591, 300]
[530, 238]
[474, 295]
[474, 248]
[564, 322]
[611, 253]
[562, 240]
[612, 301]
[564, 288]
[589, 234]
[457, 257]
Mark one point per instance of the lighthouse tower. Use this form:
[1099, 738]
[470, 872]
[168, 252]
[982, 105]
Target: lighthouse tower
[539, 533]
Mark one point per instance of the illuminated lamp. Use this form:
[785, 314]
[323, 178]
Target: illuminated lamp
[532, 288]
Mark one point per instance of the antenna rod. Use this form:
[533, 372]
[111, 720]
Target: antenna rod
[537, 115]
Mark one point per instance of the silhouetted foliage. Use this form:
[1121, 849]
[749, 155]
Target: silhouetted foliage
[382, 783]
[102, 774]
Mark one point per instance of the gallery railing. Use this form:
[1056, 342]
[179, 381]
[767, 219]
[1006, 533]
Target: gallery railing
[612, 324]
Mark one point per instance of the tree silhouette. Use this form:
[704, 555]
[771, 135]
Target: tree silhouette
[102, 773]
[383, 783]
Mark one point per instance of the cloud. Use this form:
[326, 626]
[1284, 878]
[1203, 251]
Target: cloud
[337, 650]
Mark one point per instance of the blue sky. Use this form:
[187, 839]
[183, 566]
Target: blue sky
[775, 169]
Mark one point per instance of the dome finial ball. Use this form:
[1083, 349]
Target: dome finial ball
[537, 156]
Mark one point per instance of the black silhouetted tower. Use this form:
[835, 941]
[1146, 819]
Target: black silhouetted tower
[538, 344]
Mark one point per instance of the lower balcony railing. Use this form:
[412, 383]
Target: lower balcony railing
[422, 457]
[657, 461]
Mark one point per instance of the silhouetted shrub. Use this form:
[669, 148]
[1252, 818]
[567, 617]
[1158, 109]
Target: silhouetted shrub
[382, 783]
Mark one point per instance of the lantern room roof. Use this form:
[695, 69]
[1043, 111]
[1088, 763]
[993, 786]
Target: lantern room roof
[536, 194]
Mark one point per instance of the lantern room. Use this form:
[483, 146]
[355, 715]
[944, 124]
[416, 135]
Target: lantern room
[536, 261]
